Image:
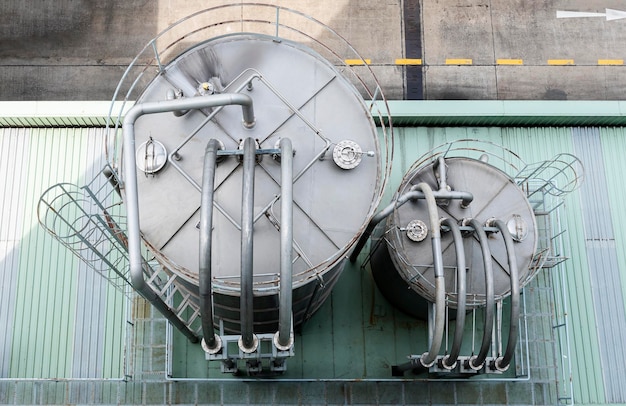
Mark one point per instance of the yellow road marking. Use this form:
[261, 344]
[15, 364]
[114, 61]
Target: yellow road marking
[610, 61]
[357, 61]
[509, 62]
[408, 61]
[560, 61]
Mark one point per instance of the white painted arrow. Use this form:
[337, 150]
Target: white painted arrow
[610, 14]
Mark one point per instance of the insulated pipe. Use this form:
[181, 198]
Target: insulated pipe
[502, 363]
[476, 362]
[206, 231]
[413, 194]
[247, 341]
[449, 361]
[131, 194]
[284, 341]
[428, 358]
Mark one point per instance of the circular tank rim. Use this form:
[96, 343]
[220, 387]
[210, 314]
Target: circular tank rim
[272, 287]
[397, 257]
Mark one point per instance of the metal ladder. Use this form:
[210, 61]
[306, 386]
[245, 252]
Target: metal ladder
[89, 221]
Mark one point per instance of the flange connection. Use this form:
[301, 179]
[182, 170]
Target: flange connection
[216, 349]
[347, 154]
[417, 230]
[285, 347]
[253, 348]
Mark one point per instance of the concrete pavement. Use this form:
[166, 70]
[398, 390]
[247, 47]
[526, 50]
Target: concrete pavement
[432, 49]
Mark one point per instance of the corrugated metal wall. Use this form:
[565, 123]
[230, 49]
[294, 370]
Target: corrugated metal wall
[57, 319]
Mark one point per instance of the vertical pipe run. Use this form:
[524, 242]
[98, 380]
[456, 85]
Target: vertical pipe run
[206, 232]
[476, 362]
[502, 363]
[428, 358]
[286, 243]
[136, 263]
[247, 342]
[449, 361]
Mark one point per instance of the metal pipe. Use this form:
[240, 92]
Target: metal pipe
[476, 362]
[428, 358]
[412, 194]
[286, 243]
[247, 249]
[449, 361]
[195, 103]
[132, 198]
[465, 197]
[502, 363]
[206, 232]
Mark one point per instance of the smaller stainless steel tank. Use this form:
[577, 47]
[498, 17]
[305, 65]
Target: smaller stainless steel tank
[403, 265]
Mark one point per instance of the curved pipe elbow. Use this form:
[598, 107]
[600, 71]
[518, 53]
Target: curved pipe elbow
[206, 233]
[428, 358]
[284, 339]
[502, 363]
[477, 362]
[450, 360]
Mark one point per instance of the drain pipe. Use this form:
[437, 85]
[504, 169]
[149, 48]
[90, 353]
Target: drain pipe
[449, 361]
[211, 343]
[476, 362]
[283, 339]
[248, 342]
[502, 363]
[130, 187]
[428, 358]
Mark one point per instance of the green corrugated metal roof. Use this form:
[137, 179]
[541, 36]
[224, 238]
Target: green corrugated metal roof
[441, 113]
[57, 114]
[448, 113]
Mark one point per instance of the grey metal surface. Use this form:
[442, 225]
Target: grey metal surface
[602, 262]
[296, 94]
[495, 195]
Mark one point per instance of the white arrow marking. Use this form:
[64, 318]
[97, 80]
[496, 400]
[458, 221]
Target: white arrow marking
[614, 14]
[610, 14]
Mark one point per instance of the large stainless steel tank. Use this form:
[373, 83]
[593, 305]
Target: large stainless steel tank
[337, 172]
